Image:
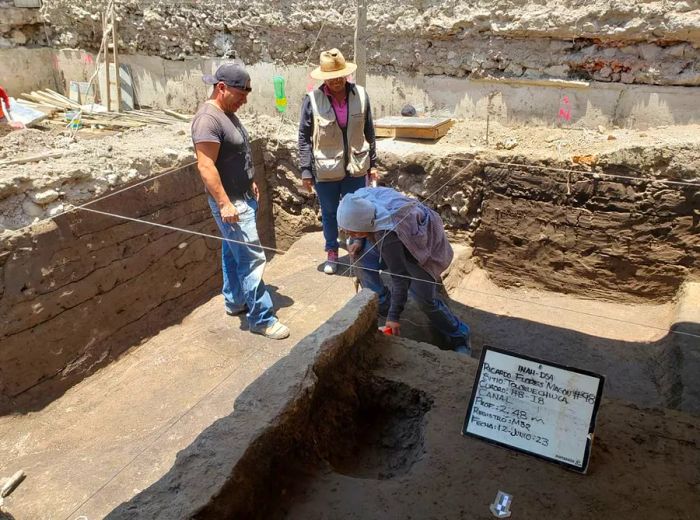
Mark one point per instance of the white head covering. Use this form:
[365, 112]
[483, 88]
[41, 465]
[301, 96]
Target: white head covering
[369, 209]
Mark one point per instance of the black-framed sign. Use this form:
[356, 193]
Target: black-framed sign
[534, 406]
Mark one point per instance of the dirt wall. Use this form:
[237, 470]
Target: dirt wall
[79, 290]
[649, 42]
[608, 238]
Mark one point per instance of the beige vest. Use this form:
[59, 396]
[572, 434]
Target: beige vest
[328, 151]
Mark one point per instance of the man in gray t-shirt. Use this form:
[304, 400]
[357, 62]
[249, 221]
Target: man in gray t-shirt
[224, 162]
[213, 125]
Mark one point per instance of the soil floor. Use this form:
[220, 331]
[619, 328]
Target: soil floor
[642, 460]
[118, 431]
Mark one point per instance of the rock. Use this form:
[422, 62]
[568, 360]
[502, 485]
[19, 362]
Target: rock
[408, 111]
[605, 72]
[55, 209]
[557, 71]
[44, 197]
[508, 143]
[601, 129]
[626, 77]
[676, 50]
[611, 137]
[31, 209]
[18, 37]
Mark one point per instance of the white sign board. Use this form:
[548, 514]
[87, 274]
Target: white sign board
[533, 406]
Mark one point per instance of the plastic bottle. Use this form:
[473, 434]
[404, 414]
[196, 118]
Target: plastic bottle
[280, 96]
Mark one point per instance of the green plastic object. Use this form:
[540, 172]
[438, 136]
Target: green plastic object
[280, 96]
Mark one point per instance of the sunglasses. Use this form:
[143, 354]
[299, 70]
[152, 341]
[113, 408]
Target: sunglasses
[246, 90]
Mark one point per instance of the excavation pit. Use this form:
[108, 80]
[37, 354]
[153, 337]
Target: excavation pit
[273, 456]
[594, 266]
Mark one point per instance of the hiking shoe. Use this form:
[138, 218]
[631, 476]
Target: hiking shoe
[463, 349]
[331, 266]
[235, 310]
[463, 346]
[274, 331]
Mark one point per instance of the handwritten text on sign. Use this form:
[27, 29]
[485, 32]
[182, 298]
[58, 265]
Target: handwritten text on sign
[541, 408]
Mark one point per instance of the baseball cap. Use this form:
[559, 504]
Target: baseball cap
[232, 74]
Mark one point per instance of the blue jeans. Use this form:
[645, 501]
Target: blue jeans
[243, 265]
[425, 295]
[329, 195]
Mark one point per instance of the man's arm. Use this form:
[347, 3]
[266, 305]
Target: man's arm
[306, 131]
[207, 152]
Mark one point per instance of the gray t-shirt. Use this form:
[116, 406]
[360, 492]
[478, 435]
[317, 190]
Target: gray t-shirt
[234, 162]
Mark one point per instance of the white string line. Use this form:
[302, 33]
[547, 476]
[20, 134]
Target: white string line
[215, 387]
[110, 194]
[166, 429]
[349, 266]
[583, 172]
[381, 271]
[308, 55]
[108, 20]
[379, 242]
[181, 230]
[332, 282]
[590, 314]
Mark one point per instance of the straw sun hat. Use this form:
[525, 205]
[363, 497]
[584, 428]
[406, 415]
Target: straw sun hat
[333, 65]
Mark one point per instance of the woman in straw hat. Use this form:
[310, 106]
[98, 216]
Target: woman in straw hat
[337, 150]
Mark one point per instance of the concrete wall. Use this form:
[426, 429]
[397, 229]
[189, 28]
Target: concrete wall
[23, 70]
[177, 84]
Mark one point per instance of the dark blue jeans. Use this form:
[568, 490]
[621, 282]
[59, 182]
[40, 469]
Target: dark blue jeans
[243, 265]
[425, 294]
[329, 195]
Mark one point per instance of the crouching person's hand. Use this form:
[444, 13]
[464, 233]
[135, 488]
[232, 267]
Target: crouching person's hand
[395, 327]
[355, 248]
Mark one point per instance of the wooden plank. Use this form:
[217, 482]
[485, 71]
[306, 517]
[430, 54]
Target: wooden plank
[418, 128]
[554, 83]
[384, 131]
[107, 99]
[411, 122]
[33, 158]
[116, 62]
[177, 115]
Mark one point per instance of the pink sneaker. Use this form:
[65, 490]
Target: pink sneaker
[331, 266]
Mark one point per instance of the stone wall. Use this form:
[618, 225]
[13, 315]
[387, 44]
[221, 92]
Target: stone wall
[649, 42]
[78, 291]
[20, 26]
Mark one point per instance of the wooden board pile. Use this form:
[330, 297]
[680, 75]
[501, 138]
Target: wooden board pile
[56, 105]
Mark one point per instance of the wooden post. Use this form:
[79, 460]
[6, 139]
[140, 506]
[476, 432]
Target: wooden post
[107, 94]
[360, 43]
[117, 78]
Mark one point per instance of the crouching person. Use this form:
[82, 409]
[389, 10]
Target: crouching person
[392, 232]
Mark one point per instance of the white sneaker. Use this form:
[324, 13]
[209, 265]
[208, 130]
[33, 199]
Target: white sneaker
[331, 266]
[274, 331]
